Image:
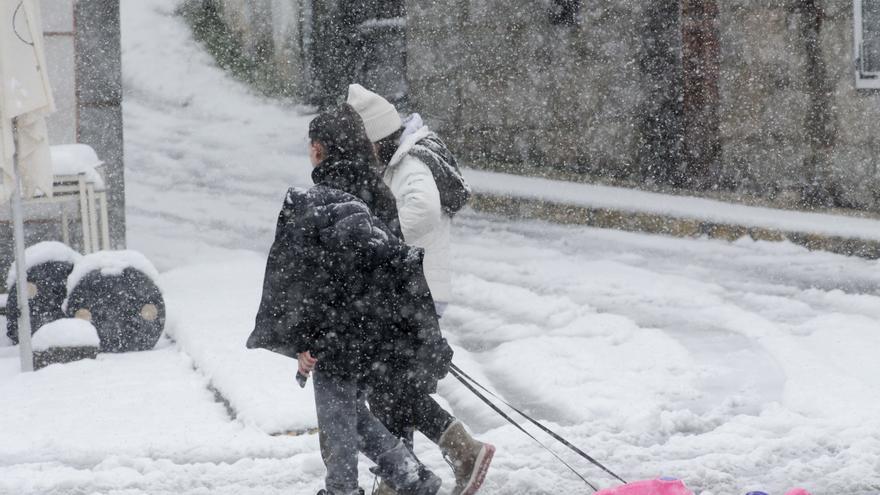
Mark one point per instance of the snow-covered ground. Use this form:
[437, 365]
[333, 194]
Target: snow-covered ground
[207, 163]
[733, 366]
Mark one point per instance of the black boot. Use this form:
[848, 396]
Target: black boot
[400, 469]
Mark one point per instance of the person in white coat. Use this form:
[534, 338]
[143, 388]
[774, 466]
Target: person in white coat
[405, 148]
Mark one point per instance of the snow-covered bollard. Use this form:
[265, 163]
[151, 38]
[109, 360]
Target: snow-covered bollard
[64, 341]
[48, 266]
[4, 340]
[117, 292]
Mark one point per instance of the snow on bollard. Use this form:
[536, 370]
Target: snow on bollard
[64, 341]
[48, 266]
[660, 486]
[117, 292]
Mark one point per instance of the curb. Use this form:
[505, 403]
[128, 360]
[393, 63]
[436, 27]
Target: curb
[633, 221]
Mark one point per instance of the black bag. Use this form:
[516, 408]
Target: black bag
[423, 356]
[454, 190]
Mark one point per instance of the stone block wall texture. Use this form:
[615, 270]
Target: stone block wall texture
[766, 83]
[854, 161]
[764, 97]
[603, 96]
[504, 83]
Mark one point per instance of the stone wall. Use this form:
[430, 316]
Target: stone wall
[515, 85]
[505, 83]
[764, 95]
[853, 163]
[602, 97]
[793, 121]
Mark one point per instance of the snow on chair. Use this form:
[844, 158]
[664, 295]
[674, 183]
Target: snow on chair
[76, 181]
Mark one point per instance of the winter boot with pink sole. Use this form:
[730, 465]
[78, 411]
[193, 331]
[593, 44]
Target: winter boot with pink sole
[469, 458]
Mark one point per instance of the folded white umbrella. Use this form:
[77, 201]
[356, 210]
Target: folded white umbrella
[25, 99]
[25, 95]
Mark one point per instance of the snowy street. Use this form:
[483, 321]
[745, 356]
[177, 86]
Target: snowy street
[733, 366]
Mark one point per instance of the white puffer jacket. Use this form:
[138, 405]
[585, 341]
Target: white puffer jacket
[422, 220]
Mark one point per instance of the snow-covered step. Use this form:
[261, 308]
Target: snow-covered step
[682, 216]
[140, 404]
[211, 309]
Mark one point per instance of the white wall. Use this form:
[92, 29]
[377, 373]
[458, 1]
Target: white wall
[58, 30]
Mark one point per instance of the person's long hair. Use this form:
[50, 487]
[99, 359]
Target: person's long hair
[351, 164]
[341, 131]
[387, 147]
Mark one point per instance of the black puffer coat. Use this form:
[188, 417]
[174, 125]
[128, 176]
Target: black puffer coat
[359, 179]
[341, 285]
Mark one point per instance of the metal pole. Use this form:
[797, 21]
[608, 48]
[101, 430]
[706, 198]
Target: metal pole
[24, 320]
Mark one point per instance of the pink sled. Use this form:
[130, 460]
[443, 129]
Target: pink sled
[664, 486]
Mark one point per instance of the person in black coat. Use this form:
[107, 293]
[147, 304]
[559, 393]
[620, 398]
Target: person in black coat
[345, 296]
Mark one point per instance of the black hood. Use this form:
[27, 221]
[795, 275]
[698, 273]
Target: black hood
[359, 179]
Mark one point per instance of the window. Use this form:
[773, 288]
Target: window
[565, 12]
[867, 43]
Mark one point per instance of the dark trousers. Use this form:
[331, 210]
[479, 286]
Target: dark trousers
[346, 427]
[403, 409]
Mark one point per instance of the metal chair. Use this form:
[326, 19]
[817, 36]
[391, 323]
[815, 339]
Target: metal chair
[74, 194]
[92, 208]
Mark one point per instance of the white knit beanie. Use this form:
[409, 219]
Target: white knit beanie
[380, 117]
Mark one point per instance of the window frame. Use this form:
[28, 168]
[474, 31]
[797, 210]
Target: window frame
[864, 79]
[565, 12]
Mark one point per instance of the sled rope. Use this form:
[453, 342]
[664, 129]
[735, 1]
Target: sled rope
[458, 373]
[461, 377]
